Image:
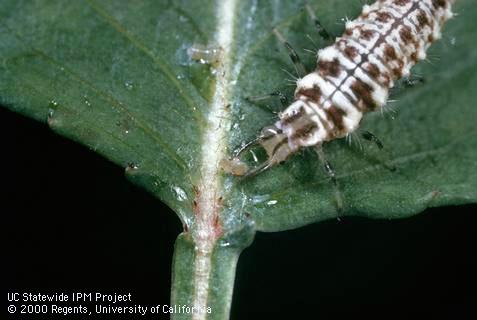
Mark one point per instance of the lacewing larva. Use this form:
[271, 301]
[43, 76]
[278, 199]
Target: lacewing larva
[353, 76]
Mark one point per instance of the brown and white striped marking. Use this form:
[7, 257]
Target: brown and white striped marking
[354, 75]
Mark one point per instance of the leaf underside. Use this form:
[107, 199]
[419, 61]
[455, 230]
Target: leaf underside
[116, 77]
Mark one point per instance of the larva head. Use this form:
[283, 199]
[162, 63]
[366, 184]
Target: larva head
[275, 144]
[299, 126]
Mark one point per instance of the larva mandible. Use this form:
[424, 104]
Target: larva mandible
[353, 76]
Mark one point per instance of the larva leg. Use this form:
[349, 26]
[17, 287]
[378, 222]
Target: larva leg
[413, 81]
[371, 137]
[300, 69]
[325, 35]
[277, 93]
[332, 175]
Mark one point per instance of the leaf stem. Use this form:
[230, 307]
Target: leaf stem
[220, 275]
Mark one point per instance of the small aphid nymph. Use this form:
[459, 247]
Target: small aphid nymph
[353, 76]
[204, 54]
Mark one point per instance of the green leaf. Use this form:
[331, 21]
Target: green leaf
[116, 76]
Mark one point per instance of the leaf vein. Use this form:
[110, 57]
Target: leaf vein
[399, 160]
[157, 59]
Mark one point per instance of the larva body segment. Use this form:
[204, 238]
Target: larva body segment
[353, 76]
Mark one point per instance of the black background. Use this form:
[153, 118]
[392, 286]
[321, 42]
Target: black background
[73, 223]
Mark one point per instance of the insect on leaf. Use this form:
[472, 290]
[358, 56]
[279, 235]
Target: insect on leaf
[120, 79]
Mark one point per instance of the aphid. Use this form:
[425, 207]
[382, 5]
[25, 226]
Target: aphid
[204, 54]
[353, 76]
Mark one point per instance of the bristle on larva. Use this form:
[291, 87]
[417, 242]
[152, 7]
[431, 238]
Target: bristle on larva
[353, 76]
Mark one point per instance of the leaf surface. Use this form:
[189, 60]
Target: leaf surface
[116, 76]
